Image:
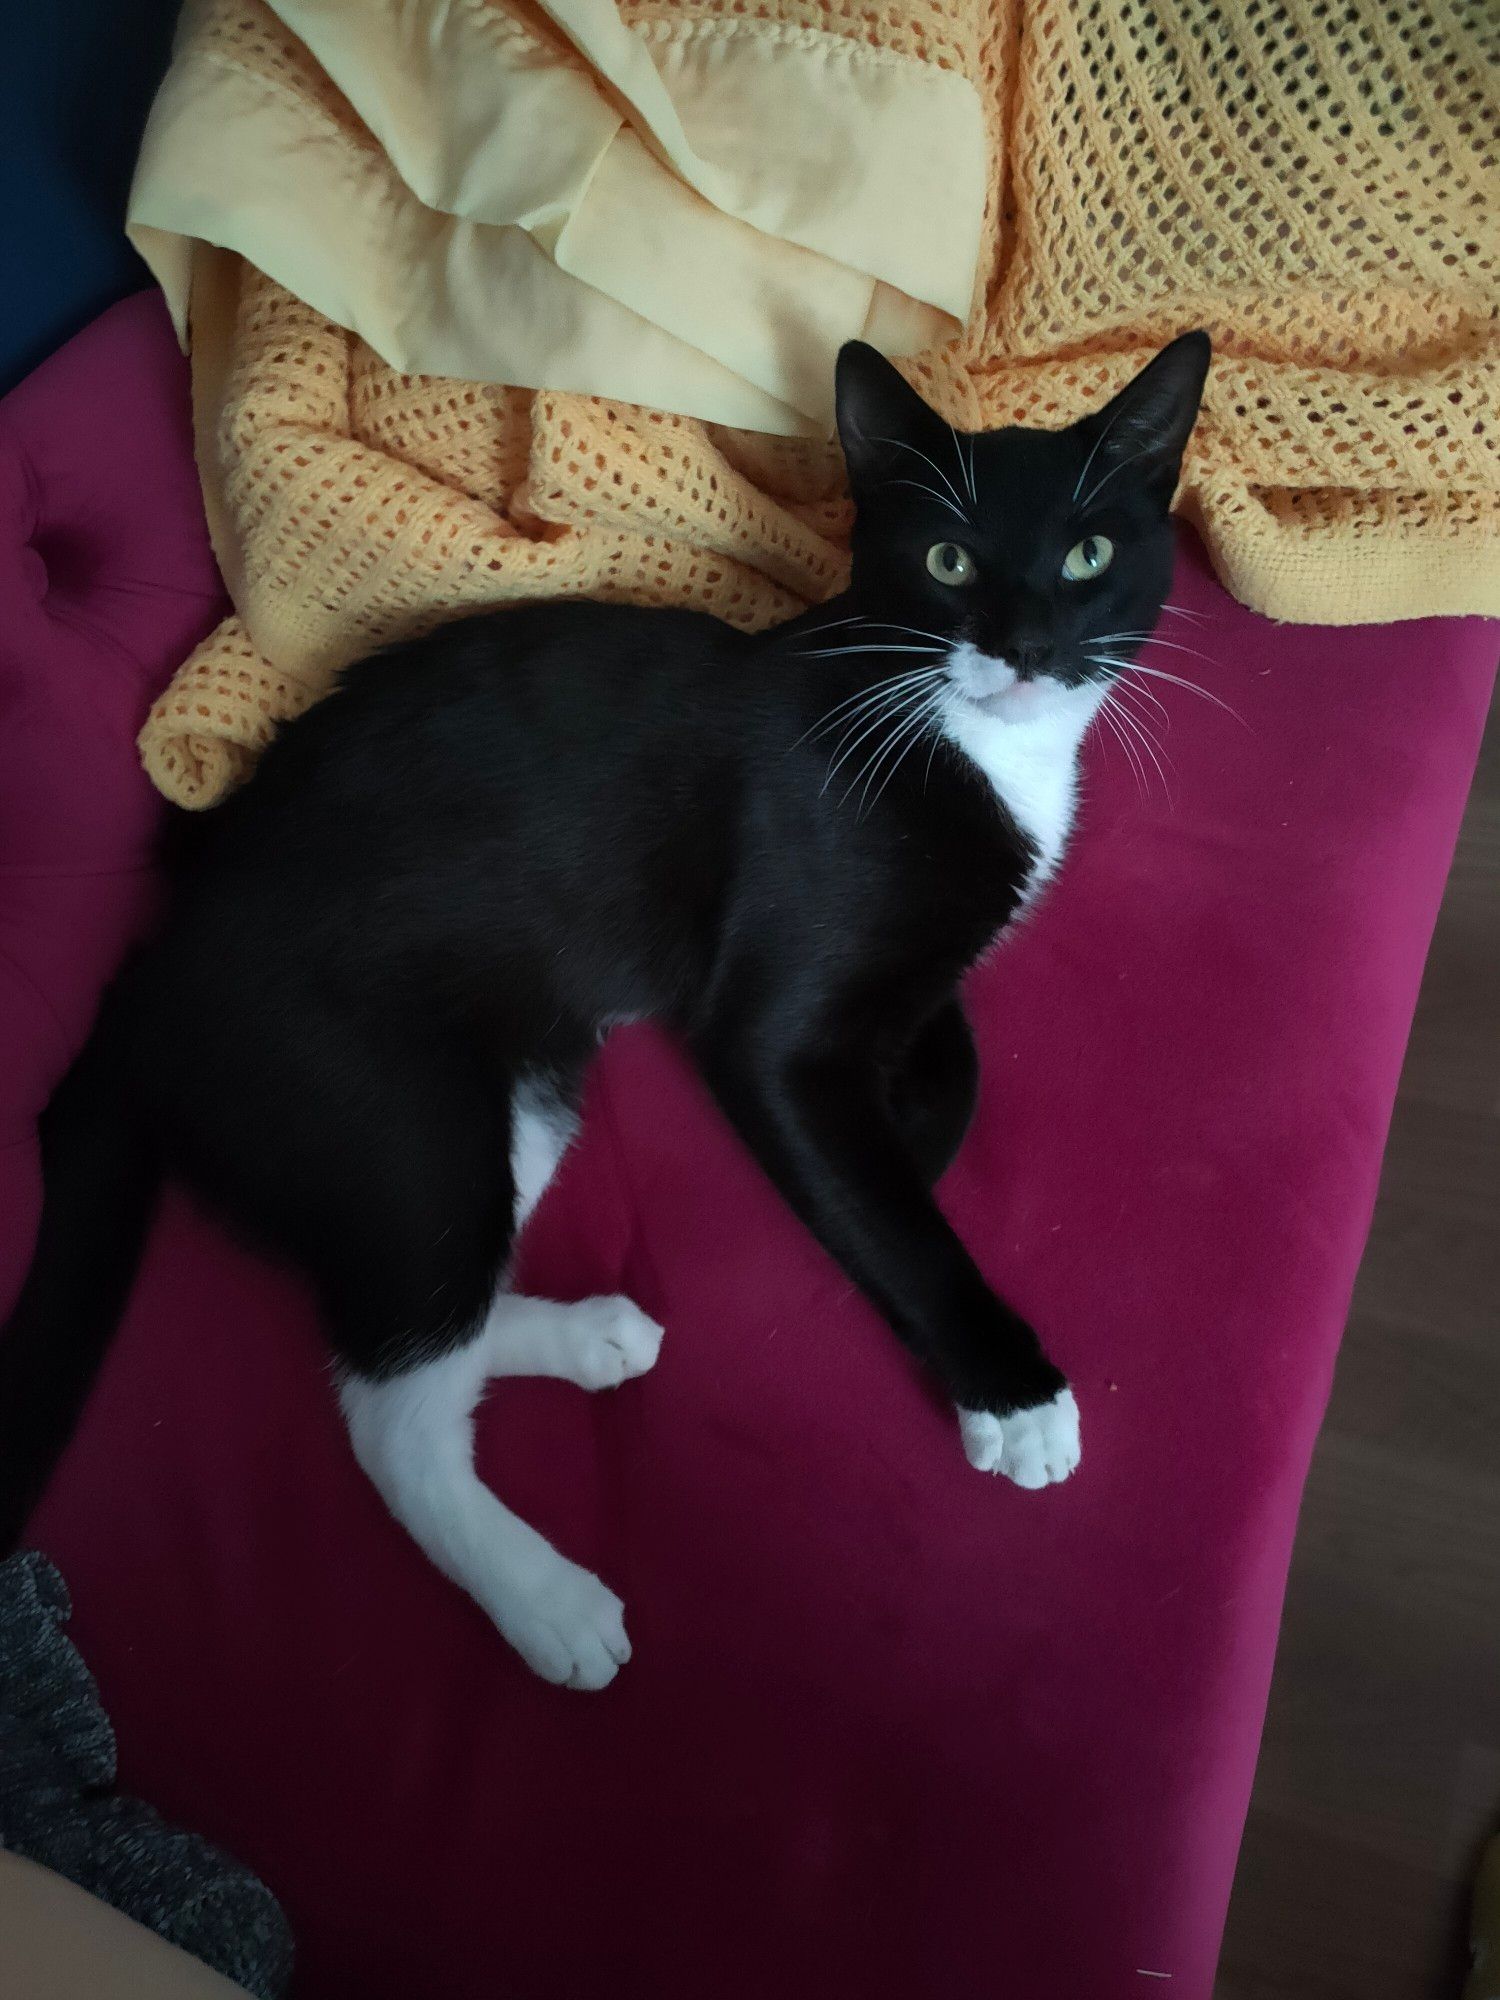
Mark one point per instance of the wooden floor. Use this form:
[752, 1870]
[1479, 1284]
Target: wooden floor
[1380, 1773]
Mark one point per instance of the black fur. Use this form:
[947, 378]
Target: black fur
[493, 840]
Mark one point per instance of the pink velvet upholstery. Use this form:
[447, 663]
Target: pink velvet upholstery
[106, 579]
[892, 1729]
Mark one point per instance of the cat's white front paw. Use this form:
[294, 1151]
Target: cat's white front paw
[570, 1629]
[607, 1341]
[1035, 1447]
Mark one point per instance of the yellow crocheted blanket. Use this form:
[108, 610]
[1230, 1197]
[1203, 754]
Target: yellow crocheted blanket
[1316, 181]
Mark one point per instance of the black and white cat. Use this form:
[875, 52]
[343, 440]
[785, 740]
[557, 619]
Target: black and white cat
[395, 951]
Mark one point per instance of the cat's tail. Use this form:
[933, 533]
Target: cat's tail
[100, 1180]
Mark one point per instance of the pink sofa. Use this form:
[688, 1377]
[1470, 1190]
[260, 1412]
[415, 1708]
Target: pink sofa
[891, 1728]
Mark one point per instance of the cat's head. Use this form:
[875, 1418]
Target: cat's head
[1030, 556]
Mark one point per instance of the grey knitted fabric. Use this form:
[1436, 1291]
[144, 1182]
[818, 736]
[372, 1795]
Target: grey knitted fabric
[57, 1757]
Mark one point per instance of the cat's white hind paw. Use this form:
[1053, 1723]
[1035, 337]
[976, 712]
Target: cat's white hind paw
[605, 1341]
[1035, 1447]
[570, 1630]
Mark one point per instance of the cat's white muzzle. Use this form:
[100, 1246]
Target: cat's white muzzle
[996, 689]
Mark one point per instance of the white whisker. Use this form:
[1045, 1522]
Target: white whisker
[907, 736]
[893, 705]
[1107, 714]
[1192, 687]
[888, 625]
[1166, 784]
[861, 696]
[833, 624]
[900, 683]
[868, 698]
[1142, 735]
[965, 470]
[891, 722]
[1144, 452]
[844, 749]
[900, 444]
[1129, 739]
[1097, 442]
[940, 700]
[953, 506]
[1146, 694]
[1174, 680]
[1172, 646]
[845, 652]
[1150, 639]
[917, 632]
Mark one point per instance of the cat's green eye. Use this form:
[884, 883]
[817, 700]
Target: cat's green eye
[951, 564]
[1090, 557]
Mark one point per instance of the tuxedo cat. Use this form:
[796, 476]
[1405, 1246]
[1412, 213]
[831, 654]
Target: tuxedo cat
[362, 1028]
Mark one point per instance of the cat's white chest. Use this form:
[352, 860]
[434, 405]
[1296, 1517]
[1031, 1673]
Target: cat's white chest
[1032, 768]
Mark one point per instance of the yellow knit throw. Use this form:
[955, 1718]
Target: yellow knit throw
[1315, 181]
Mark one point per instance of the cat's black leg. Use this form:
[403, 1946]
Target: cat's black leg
[815, 1119]
[395, 1171]
[932, 1088]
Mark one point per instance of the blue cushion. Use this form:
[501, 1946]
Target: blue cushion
[75, 86]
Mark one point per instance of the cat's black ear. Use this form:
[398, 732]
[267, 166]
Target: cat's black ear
[878, 413]
[1148, 424]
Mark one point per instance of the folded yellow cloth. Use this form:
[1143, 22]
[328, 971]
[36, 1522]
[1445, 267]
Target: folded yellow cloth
[686, 205]
[1317, 184]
